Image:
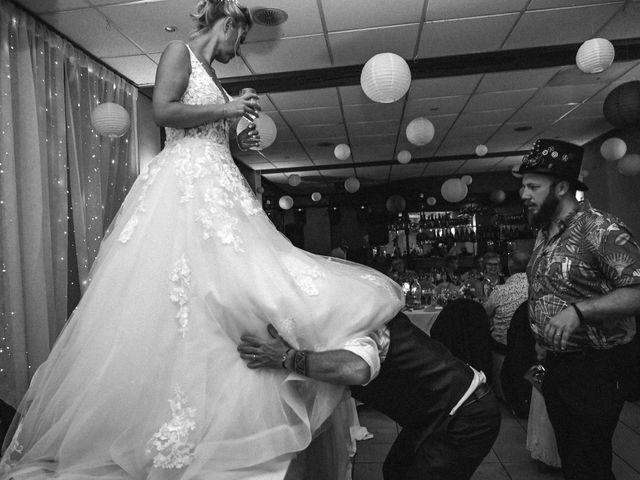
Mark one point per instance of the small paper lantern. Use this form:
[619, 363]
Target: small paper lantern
[385, 78]
[110, 120]
[431, 201]
[404, 157]
[396, 204]
[467, 179]
[514, 171]
[420, 131]
[595, 55]
[294, 180]
[629, 165]
[342, 151]
[498, 196]
[316, 196]
[266, 128]
[584, 173]
[260, 190]
[482, 150]
[454, 190]
[613, 149]
[285, 202]
[352, 184]
[622, 106]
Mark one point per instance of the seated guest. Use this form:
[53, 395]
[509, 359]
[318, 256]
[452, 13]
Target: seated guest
[451, 274]
[491, 275]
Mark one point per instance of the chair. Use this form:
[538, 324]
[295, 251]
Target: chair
[463, 326]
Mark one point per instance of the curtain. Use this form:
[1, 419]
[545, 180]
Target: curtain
[54, 171]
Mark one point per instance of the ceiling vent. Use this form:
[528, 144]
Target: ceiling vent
[269, 17]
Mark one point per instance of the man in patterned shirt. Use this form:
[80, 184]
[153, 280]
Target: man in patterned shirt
[584, 289]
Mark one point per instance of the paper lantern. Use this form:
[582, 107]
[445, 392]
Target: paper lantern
[352, 184]
[482, 150]
[404, 157]
[454, 190]
[431, 201]
[613, 149]
[396, 204]
[467, 179]
[629, 165]
[342, 151]
[294, 180]
[498, 196]
[595, 55]
[110, 120]
[316, 196]
[260, 190]
[514, 171]
[622, 106]
[420, 131]
[266, 128]
[385, 78]
[285, 202]
[584, 173]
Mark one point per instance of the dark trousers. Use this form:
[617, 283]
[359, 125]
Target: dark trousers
[452, 451]
[583, 398]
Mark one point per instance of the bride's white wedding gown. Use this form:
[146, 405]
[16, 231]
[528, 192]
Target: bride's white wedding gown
[145, 381]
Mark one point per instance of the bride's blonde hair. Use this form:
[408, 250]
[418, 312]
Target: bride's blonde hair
[208, 12]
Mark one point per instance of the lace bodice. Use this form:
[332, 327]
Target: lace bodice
[201, 90]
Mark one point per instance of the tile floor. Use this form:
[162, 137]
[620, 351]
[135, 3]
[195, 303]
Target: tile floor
[509, 458]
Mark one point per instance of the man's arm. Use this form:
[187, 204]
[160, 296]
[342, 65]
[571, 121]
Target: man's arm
[340, 367]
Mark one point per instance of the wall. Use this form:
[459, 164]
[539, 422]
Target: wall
[148, 131]
[317, 231]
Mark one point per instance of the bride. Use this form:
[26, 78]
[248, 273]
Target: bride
[145, 380]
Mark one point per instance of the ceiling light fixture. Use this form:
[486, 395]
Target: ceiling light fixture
[269, 17]
[170, 28]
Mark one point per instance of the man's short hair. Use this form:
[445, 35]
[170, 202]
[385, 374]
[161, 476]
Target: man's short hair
[518, 261]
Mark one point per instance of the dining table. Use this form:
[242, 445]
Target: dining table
[423, 317]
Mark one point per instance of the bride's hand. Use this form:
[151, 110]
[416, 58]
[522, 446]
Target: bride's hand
[248, 138]
[246, 105]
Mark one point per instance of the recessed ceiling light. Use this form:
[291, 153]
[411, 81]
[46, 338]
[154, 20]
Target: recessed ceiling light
[170, 28]
[269, 17]
[524, 128]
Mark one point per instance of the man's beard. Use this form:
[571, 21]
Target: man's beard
[546, 212]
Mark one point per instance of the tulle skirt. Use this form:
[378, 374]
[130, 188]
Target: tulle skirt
[541, 439]
[145, 380]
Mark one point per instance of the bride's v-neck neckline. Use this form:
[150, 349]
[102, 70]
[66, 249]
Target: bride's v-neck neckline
[213, 78]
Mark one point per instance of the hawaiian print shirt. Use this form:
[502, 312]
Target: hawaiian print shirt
[591, 255]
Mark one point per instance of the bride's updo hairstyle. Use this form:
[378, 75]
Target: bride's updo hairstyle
[208, 12]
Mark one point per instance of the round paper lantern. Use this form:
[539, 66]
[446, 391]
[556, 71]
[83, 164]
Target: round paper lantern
[498, 196]
[613, 149]
[352, 184]
[285, 202]
[595, 55]
[294, 180]
[260, 190]
[396, 204]
[584, 173]
[622, 106]
[431, 201]
[629, 165]
[482, 150]
[266, 129]
[316, 196]
[342, 151]
[420, 131]
[385, 77]
[467, 179]
[404, 156]
[514, 171]
[454, 190]
[110, 120]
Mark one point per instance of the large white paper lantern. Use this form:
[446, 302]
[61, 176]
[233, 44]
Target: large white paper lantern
[454, 190]
[352, 184]
[595, 55]
[482, 150]
[110, 120]
[498, 196]
[613, 149]
[342, 151]
[431, 201]
[629, 165]
[420, 131]
[622, 105]
[294, 180]
[385, 77]
[467, 179]
[266, 128]
[285, 202]
[316, 196]
[404, 157]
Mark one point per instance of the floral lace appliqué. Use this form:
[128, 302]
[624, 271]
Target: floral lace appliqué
[377, 281]
[304, 276]
[14, 450]
[171, 442]
[216, 219]
[179, 292]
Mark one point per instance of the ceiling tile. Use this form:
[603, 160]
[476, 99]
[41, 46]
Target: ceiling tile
[373, 112]
[365, 150]
[564, 95]
[478, 165]
[626, 23]
[288, 54]
[303, 19]
[498, 100]
[447, 9]
[306, 132]
[384, 127]
[40, 6]
[443, 168]
[516, 80]
[536, 113]
[484, 118]
[354, 95]
[435, 106]
[402, 172]
[375, 173]
[357, 14]
[549, 27]
[471, 35]
[313, 116]
[551, 4]
[571, 75]
[321, 97]
[355, 47]
[443, 86]
[90, 29]
[137, 68]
